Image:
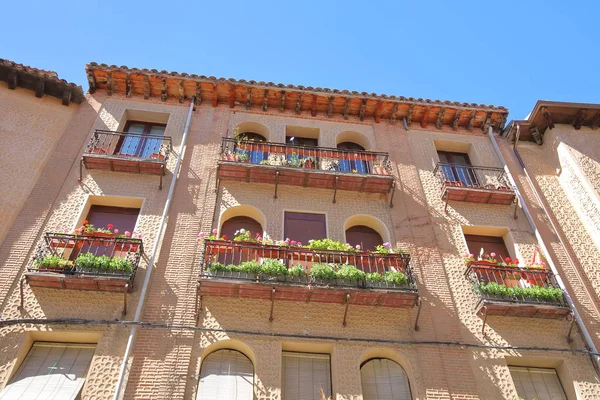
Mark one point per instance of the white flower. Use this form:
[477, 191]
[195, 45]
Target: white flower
[242, 230]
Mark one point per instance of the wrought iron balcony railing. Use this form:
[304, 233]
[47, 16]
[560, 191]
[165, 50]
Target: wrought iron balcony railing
[474, 184]
[96, 261]
[127, 152]
[513, 291]
[307, 166]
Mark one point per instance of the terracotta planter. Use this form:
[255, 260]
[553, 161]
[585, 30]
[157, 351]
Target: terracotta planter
[309, 164]
[62, 244]
[96, 150]
[127, 247]
[381, 171]
[504, 188]
[157, 156]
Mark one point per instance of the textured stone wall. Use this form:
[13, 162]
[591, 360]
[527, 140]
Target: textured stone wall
[166, 362]
[30, 127]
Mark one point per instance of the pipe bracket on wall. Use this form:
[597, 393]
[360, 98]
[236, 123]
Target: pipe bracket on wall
[347, 302]
[419, 304]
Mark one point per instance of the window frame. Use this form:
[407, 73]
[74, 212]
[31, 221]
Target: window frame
[143, 136]
[285, 220]
[305, 354]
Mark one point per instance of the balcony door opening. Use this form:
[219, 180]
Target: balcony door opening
[144, 140]
[457, 167]
[229, 228]
[351, 159]
[302, 227]
[365, 237]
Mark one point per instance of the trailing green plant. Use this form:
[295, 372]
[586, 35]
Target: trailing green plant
[395, 277]
[328, 244]
[48, 261]
[374, 277]
[535, 292]
[273, 267]
[120, 264]
[349, 273]
[297, 270]
[322, 271]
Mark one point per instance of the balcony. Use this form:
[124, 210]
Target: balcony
[474, 184]
[279, 273]
[314, 167]
[516, 292]
[127, 152]
[102, 263]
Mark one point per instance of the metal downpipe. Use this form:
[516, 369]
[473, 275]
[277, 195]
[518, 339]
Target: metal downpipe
[122, 381]
[584, 332]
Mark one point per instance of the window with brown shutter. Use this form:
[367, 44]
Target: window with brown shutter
[303, 227]
[489, 244]
[367, 238]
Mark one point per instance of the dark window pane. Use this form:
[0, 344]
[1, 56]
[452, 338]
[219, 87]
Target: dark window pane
[301, 141]
[234, 224]
[366, 237]
[303, 227]
[490, 244]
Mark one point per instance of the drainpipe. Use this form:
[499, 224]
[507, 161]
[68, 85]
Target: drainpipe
[584, 332]
[122, 381]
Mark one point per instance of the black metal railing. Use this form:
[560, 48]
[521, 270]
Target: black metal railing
[129, 145]
[225, 259]
[309, 157]
[88, 255]
[458, 175]
[514, 285]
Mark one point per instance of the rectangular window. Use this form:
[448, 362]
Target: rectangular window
[51, 371]
[489, 244]
[537, 383]
[303, 227]
[457, 168]
[145, 139]
[306, 376]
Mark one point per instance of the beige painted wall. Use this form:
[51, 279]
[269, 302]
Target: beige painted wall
[30, 127]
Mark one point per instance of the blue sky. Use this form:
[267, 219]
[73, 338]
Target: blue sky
[508, 53]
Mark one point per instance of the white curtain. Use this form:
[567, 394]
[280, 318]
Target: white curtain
[537, 383]
[51, 371]
[305, 375]
[384, 379]
[226, 375]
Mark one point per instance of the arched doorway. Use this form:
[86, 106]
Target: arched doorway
[384, 379]
[226, 375]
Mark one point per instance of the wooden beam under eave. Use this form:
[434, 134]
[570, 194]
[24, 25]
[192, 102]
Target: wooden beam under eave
[13, 80]
[147, 91]
[378, 109]
[394, 114]
[215, 96]
[66, 97]
[547, 117]
[299, 103]
[595, 121]
[163, 90]
[456, 120]
[439, 123]
[471, 120]
[232, 96]
[91, 81]
[265, 105]
[424, 118]
[40, 88]
[579, 118]
[330, 106]
[313, 108]
[282, 100]
[409, 114]
[248, 97]
[181, 91]
[346, 107]
[109, 83]
[127, 85]
[486, 122]
[198, 93]
[361, 110]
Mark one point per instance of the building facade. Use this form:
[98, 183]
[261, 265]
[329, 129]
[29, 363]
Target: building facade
[191, 237]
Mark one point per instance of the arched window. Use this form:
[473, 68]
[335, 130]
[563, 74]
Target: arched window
[226, 375]
[251, 134]
[351, 161]
[384, 379]
[234, 224]
[368, 238]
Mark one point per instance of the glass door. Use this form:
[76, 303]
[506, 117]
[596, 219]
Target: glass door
[458, 168]
[144, 140]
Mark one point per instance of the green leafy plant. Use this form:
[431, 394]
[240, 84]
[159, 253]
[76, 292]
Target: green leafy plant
[349, 273]
[535, 292]
[374, 277]
[120, 264]
[328, 244]
[250, 267]
[396, 278]
[273, 267]
[322, 271]
[242, 157]
[242, 235]
[102, 263]
[48, 261]
[297, 270]
[86, 261]
[265, 162]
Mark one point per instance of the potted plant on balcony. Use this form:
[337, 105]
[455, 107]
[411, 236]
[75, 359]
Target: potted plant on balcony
[297, 274]
[322, 274]
[119, 265]
[273, 269]
[54, 263]
[85, 262]
[374, 280]
[249, 270]
[349, 275]
[380, 169]
[395, 278]
[309, 162]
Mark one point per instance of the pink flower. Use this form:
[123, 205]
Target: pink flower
[287, 240]
[127, 234]
[201, 235]
[293, 242]
[493, 255]
[110, 227]
[214, 231]
[358, 247]
[299, 243]
[471, 256]
[116, 231]
[388, 245]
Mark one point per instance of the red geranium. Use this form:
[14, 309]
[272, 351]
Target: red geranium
[224, 237]
[110, 226]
